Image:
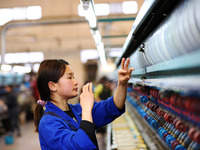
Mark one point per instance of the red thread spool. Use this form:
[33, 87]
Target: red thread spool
[160, 112]
[154, 108]
[168, 118]
[197, 137]
[180, 102]
[191, 132]
[187, 103]
[174, 144]
[180, 126]
[173, 99]
[174, 122]
[151, 92]
[194, 106]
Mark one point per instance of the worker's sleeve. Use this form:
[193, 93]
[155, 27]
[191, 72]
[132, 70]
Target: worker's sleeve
[89, 129]
[54, 134]
[105, 112]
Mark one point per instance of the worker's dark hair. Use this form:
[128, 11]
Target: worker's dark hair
[49, 70]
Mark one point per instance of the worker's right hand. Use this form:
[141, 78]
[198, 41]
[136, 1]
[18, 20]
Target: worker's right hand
[87, 98]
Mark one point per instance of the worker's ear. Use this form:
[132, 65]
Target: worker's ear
[52, 86]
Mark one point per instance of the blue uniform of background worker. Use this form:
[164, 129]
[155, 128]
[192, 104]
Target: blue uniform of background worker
[65, 126]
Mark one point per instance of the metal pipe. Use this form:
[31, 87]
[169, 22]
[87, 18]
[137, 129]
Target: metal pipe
[116, 19]
[22, 23]
[47, 21]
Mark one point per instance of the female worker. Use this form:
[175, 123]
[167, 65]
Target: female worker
[64, 126]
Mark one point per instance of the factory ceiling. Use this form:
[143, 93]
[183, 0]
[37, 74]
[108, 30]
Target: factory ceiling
[65, 36]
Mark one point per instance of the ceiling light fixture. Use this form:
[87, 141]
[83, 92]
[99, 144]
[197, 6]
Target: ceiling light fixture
[90, 16]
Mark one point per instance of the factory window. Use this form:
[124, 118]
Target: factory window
[6, 68]
[22, 69]
[116, 8]
[6, 15]
[17, 68]
[102, 9]
[115, 52]
[29, 57]
[20, 13]
[34, 12]
[88, 54]
[36, 67]
[27, 68]
[130, 7]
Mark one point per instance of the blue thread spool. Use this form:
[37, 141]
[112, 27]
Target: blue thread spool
[160, 128]
[163, 132]
[143, 99]
[180, 147]
[169, 139]
[154, 124]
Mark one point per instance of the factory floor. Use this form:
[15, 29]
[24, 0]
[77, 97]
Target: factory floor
[27, 140]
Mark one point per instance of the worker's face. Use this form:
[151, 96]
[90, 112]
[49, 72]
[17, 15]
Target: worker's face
[67, 86]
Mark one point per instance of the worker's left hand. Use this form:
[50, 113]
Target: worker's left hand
[124, 73]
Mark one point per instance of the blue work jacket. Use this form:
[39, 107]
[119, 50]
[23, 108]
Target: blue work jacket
[55, 133]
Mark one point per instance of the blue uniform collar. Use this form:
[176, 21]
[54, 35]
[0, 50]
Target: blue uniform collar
[53, 108]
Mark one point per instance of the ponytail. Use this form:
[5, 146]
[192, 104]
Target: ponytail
[38, 115]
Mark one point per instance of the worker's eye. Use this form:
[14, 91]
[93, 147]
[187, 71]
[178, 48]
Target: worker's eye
[71, 77]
